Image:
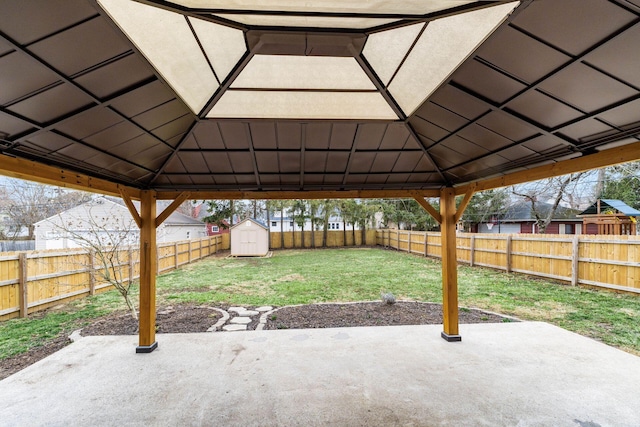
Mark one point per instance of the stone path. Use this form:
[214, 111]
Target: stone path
[240, 319]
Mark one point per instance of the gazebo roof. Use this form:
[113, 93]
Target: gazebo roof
[273, 96]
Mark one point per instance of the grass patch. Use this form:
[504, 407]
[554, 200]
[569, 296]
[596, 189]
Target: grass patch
[341, 275]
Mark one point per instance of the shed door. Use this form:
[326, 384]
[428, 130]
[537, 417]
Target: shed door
[248, 242]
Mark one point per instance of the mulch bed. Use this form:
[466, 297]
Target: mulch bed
[188, 318]
[369, 314]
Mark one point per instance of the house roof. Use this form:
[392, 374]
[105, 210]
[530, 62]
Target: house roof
[605, 204]
[521, 211]
[175, 219]
[186, 95]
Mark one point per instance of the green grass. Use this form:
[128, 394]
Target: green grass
[300, 277]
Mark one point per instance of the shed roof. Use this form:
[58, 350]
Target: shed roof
[255, 221]
[605, 204]
[225, 95]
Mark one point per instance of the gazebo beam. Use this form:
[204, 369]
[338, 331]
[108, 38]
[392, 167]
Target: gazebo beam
[171, 208]
[44, 174]
[612, 156]
[307, 195]
[148, 266]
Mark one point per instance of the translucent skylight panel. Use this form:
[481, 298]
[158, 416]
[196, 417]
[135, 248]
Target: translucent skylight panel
[386, 50]
[306, 21]
[223, 45]
[442, 47]
[302, 72]
[167, 42]
[411, 7]
[302, 105]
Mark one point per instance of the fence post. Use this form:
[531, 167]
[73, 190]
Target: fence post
[131, 266]
[575, 252]
[157, 261]
[508, 253]
[398, 238]
[426, 245]
[92, 273]
[409, 244]
[23, 284]
[176, 254]
[189, 251]
[472, 251]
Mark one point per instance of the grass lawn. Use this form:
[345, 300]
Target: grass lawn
[299, 277]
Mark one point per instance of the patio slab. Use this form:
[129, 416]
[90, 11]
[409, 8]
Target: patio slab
[511, 374]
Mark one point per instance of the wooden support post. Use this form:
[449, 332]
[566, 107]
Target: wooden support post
[575, 259]
[449, 265]
[189, 251]
[508, 253]
[23, 284]
[148, 249]
[92, 273]
[398, 238]
[409, 244]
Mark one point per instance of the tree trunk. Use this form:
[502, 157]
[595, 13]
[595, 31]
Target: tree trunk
[313, 236]
[353, 232]
[344, 232]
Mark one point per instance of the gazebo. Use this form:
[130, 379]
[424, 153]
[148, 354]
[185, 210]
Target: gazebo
[228, 99]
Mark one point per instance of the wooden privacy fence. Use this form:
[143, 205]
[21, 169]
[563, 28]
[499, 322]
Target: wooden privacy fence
[611, 262]
[35, 280]
[335, 238]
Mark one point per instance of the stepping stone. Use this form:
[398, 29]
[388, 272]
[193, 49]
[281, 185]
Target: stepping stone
[264, 308]
[248, 313]
[240, 320]
[236, 309]
[233, 328]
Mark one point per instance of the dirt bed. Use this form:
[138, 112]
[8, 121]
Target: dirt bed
[369, 314]
[188, 318]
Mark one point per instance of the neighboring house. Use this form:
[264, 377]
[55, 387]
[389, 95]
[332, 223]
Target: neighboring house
[610, 216]
[217, 229]
[110, 223]
[519, 218]
[288, 224]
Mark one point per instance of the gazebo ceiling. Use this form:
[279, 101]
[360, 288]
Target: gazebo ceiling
[322, 95]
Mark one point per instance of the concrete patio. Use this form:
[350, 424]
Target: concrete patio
[511, 374]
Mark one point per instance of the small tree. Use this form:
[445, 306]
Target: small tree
[108, 237]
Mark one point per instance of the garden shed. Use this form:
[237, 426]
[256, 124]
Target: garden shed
[249, 238]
